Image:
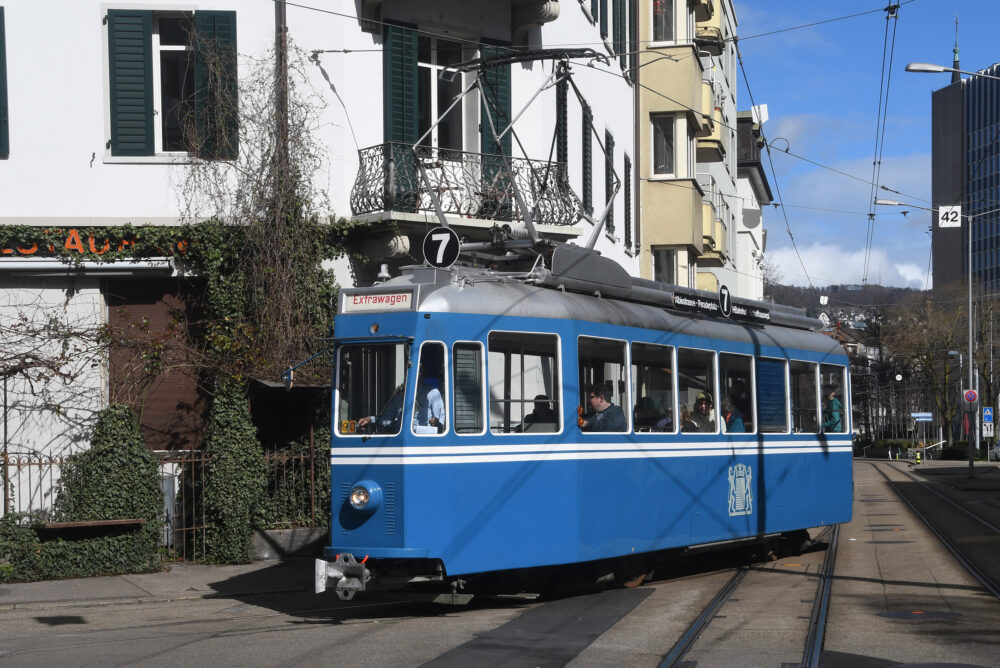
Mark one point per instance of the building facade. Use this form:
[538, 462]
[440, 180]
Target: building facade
[965, 172]
[691, 226]
[105, 144]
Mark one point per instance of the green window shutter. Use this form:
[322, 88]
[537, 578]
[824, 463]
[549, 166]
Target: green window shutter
[130, 55]
[588, 187]
[4, 124]
[399, 116]
[633, 40]
[619, 30]
[562, 122]
[496, 88]
[399, 53]
[609, 177]
[216, 97]
[627, 188]
[604, 19]
[496, 92]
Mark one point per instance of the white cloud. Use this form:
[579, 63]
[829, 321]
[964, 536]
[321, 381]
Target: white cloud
[831, 264]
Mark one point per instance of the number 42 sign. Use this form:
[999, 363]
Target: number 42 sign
[949, 216]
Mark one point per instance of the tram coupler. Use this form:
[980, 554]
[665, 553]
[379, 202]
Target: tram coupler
[350, 574]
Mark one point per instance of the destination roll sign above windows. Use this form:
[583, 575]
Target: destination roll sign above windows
[693, 303]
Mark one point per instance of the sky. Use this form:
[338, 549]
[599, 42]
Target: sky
[821, 85]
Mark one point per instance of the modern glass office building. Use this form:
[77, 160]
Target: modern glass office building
[966, 171]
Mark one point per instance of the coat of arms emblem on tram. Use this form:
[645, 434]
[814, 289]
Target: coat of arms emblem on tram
[740, 498]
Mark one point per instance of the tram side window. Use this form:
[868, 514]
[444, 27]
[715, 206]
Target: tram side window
[772, 413]
[370, 386]
[429, 408]
[834, 417]
[653, 387]
[696, 390]
[523, 373]
[467, 370]
[736, 378]
[602, 378]
[805, 416]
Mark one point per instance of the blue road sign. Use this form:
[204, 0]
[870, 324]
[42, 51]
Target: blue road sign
[987, 414]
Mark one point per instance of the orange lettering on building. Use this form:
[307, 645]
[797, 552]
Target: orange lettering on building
[28, 251]
[125, 242]
[73, 241]
[93, 247]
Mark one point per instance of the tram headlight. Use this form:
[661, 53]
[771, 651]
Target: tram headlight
[365, 496]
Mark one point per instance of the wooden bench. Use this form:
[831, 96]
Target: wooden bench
[90, 529]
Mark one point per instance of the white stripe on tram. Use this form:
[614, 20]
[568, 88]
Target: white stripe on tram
[386, 459]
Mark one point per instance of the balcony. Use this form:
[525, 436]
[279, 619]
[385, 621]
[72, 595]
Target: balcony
[467, 185]
[703, 9]
[710, 146]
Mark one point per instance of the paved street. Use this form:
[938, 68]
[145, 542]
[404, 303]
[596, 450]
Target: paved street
[898, 596]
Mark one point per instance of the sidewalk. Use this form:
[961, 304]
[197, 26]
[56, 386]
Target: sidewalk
[179, 581]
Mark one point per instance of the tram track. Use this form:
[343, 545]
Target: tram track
[812, 644]
[946, 536]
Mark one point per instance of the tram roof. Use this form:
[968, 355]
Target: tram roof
[460, 290]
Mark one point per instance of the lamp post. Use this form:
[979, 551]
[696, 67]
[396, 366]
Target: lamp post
[937, 69]
[972, 366]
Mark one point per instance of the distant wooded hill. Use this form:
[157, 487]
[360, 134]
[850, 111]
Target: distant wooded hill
[840, 297]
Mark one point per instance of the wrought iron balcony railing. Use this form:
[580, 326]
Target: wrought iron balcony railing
[472, 185]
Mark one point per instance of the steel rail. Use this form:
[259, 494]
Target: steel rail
[983, 579]
[682, 646]
[821, 604]
[965, 510]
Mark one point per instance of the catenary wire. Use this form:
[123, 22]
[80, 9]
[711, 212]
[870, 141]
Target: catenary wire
[652, 90]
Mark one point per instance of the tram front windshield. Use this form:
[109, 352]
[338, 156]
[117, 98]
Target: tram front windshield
[370, 382]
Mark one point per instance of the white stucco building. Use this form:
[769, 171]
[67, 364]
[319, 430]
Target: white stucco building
[102, 143]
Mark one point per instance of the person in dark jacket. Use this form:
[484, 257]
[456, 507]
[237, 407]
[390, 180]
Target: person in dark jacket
[603, 415]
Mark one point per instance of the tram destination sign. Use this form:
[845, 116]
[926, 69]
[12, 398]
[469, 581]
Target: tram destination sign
[362, 302]
[692, 303]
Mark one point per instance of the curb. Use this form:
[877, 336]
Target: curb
[101, 603]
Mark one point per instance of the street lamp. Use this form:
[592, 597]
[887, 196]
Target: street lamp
[921, 67]
[931, 68]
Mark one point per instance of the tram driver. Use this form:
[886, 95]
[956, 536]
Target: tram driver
[388, 419]
[603, 415]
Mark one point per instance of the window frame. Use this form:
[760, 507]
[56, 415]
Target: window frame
[626, 399]
[751, 390]
[673, 387]
[557, 357]
[411, 413]
[156, 48]
[655, 131]
[467, 111]
[787, 401]
[714, 389]
[483, 387]
[817, 396]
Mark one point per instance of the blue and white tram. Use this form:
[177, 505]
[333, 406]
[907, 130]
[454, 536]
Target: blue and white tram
[457, 451]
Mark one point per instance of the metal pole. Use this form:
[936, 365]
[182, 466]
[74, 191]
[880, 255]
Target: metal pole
[972, 366]
[6, 483]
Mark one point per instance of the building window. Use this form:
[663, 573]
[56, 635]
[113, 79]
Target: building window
[435, 94]
[665, 265]
[663, 145]
[173, 83]
[663, 21]
[173, 80]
